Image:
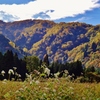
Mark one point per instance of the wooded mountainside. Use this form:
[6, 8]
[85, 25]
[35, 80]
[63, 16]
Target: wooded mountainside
[65, 42]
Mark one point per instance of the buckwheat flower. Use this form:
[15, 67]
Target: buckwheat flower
[69, 76]
[27, 75]
[16, 73]
[71, 88]
[5, 80]
[56, 74]
[2, 72]
[30, 82]
[44, 94]
[46, 88]
[37, 82]
[54, 90]
[17, 91]
[47, 71]
[14, 68]
[19, 75]
[73, 75]
[66, 71]
[21, 89]
[10, 72]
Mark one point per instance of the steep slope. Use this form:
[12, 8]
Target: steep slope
[61, 41]
[88, 53]
[61, 38]
[71, 42]
[25, 33]
[6, 44]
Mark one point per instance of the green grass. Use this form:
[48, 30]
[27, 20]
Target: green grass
[49, 89]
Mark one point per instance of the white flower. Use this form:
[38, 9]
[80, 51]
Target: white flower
[19, 75]
[14, 68]
[27, 75]
[16, 73]
[54, 90]
[2, 72]
[46, 88]
[71, 88]
[5, 80]
[11, 71]
[66, 71]
[56, 74]
[37, 82]
[47, 71]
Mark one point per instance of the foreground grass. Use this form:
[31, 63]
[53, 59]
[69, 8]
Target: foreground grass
[49, 89]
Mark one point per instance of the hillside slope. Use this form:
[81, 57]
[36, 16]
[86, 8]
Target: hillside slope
[61, 41]
[6, 44]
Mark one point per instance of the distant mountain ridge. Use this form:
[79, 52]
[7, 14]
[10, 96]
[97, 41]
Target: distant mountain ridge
[6, 44]
[61, 41]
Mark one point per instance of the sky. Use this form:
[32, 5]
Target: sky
[87, 11]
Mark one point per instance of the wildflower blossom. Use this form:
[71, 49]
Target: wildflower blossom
[16, 73]
[14, 68]
[47, 71]
[2, 72]
[56, 74]
[54, 90]
[5, 80]
[19, 75]
[10, 72]
[66, 71]
[71, 88]
[27, 75]
[36, 72]
[73, 75]
[69, 76]
[37, 82]
[46, 88]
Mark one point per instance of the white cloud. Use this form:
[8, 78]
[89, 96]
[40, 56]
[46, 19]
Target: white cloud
[55, 9]
[7, 17]
[82, 19]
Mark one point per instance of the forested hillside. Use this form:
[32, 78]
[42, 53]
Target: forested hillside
[61, 41]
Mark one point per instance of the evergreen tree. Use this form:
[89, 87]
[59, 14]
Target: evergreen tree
[8, 60]
[16, 60]
[45, 60]
[1, 58]
[54, 67]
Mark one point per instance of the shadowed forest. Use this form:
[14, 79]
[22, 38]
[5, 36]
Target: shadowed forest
[43, 68]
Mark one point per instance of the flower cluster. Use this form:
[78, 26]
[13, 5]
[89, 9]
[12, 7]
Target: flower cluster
[11, 72]
[2, 72]
[47, 71]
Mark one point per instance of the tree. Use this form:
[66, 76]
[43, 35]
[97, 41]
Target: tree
[8, 60]
[54, 67]
[90, 69]
[16, 60]
[75, 68]
[45, 60]
[32, 63]
[1, 58]
[79, 68]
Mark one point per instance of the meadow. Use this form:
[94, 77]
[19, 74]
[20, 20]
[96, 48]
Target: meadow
[49, 89]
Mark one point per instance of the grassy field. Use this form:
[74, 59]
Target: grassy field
[49, 89]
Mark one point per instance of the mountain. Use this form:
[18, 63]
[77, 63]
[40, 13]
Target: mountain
[61, 41]
[6, 44]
